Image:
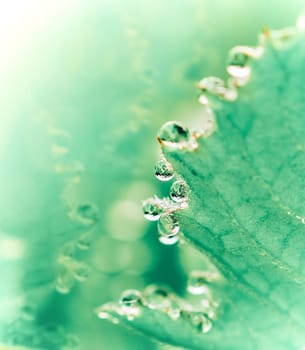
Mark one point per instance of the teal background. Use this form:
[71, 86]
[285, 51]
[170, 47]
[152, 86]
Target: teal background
[107, 74]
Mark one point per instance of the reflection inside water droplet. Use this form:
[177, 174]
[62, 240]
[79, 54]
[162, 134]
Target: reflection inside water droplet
[238, 63]
[168, 225]
[179, 191]
[86, 213]
[174, 136]
[197, 283]
[214, 85]
[163, 170]
[80, 272]
[202, 322]
[64, 281]
[157, 297]
[131, 302]
[152, 209]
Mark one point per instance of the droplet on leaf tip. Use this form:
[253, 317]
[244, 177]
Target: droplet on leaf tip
[163, 170]
[179, 191]
[168, 225]
[176, 136]
[156, 297]
[152, 208]
[131, 302]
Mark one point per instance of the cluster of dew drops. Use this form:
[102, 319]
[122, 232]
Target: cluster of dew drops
[85, 215]
[200, 313]
[173, 136]
[163, 210]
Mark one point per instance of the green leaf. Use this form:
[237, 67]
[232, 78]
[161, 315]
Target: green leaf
[246, 209]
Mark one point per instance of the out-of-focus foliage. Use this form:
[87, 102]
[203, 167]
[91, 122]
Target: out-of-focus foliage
[84, 88]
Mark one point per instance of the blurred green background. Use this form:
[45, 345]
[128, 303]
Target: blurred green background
[85, 85]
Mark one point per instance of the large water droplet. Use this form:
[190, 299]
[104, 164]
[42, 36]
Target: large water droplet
[174, 135]
[179, 191]
[197, 283]
[163, 170]
[168, 225]
[157, 297]
[152, 209]
[131, 302]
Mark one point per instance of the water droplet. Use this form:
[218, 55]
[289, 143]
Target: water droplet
[152, 209]
[67, 253]
[87, 213]
[213, 85]
[80, 272]
[168, 240]
[174, 135]
[238, 63]
[202, 322]
[197, 283]
[104, 314]
[64, 281]
[168, 228]
[168, 225]
[179, 191]
[84, 241]
[163, 170]
[174, 311]
[202, 99]
[131, 301]
[157, 297]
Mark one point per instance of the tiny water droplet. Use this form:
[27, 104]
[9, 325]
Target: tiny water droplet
[152, 209]
[131, 302]
[179, 191]
[87, 213]
[67, 253]
[202, 99]
[105, 315]
[163, 170]
[238, 63]
[157, 297]
[81, 272]
[174, 311]
[174, 135]
[64, 281]
[202, 322]
[197, 283]
[214, 85]
[84, 241]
